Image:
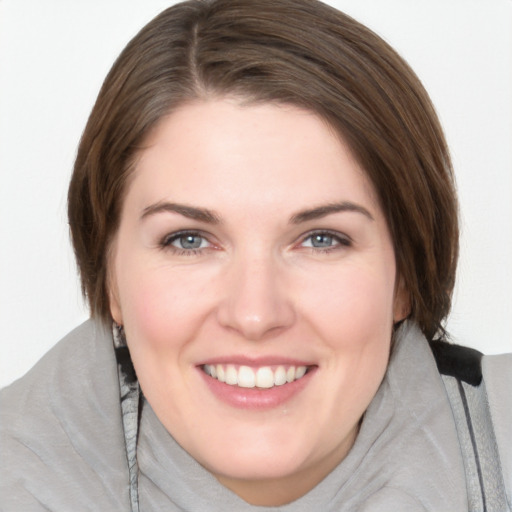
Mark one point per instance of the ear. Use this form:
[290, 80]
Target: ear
[113, 297]
[402, 301]
[114, 304]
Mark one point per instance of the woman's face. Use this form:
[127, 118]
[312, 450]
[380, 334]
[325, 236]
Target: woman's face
[255, 276]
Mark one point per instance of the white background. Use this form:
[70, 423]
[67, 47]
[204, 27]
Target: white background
[54, 55]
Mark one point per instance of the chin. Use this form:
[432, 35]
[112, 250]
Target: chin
[257, 469]
[258, 459]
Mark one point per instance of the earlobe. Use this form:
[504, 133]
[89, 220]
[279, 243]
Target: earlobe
[402, 302]
[112, 287]
[113, 299]
[115, 309]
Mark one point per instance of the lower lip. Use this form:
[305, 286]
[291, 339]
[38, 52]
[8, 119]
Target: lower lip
[256, 398]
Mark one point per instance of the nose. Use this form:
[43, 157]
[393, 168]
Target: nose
[255, 302]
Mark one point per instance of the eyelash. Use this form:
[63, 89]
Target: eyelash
[340, 240]
[166, 243]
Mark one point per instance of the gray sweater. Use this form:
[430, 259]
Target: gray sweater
[62, 443]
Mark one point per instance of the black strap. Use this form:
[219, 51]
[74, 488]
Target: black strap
[463, 363]
[131, 408]
[461, 371]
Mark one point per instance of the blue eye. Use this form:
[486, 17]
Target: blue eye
[325, 240]
[189, 242]
[185, 241]
[321, 240]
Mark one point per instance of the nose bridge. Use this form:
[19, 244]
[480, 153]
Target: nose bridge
[255, 302]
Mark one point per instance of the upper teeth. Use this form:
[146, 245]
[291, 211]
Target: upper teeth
[247, 377]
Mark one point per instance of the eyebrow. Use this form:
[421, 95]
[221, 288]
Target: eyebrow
[210, 217]
[191, 212]
[328, 209]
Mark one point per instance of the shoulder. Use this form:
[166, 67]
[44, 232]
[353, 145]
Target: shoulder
[61, 377]
[497, 372]
[480, 391]
[61, 433]
[81, 341]
[497, 376]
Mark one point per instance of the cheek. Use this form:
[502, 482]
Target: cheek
[162, 307]
[352, 304]
[357, 317]
[162, 316]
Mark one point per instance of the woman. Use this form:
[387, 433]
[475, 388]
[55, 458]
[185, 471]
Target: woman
[265, 223]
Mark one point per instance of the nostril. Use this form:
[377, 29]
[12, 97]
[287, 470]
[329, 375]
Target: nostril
[254, 320]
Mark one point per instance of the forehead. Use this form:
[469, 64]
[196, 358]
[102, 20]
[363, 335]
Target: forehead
[224, 150]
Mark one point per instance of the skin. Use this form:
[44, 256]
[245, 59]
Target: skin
[258, 285]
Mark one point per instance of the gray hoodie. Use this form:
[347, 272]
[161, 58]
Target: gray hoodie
[63, 448]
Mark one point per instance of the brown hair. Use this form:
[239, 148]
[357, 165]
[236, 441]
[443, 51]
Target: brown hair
[301, 52]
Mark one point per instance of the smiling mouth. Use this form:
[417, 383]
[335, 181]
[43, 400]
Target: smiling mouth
[264, 377]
